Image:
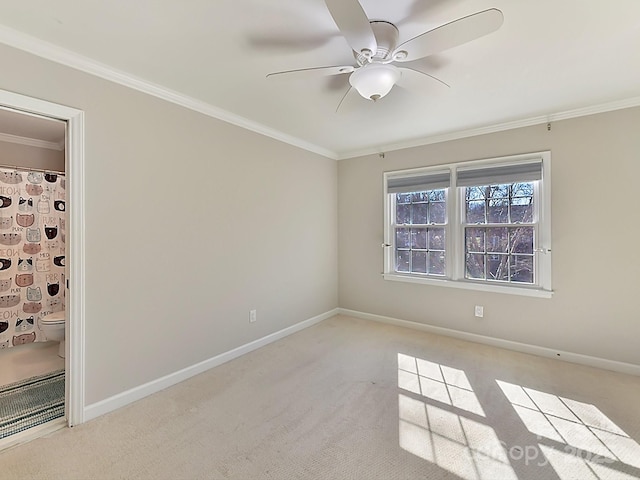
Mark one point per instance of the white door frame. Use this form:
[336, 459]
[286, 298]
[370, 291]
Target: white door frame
[74, 172]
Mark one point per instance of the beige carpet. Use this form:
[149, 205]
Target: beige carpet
[351, 399]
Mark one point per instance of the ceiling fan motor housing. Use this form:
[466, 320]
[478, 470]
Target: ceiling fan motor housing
[386, 34]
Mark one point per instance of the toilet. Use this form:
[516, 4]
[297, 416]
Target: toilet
[52, 326]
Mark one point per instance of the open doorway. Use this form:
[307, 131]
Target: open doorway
[32, 270]
[41, 163]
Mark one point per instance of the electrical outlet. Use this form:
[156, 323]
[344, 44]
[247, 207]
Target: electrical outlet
[479, 311]
[252, 316]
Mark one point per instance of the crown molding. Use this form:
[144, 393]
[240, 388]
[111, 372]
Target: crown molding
[527, 122]
[49, 51]
[31, 142]
[54, 53]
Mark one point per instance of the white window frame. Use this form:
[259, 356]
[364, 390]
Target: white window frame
[454, 231]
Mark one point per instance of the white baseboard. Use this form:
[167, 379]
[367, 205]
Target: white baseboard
[578, 358]
[120, 400]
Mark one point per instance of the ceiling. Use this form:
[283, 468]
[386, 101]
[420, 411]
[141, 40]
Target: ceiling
[549, 59]
[34, 130]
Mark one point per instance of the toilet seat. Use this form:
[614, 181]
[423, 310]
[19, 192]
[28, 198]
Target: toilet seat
[54, 318]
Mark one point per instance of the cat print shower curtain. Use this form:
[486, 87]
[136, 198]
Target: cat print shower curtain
[32, 253]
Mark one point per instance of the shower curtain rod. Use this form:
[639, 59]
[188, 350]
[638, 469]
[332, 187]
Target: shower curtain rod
[29, 169]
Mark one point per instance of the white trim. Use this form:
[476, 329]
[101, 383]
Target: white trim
[75, 328]
[544, 271]
[469, 285]
[500, 127]
[74, 60]
[30, 142]
[597, 362]
[75, 247]
[120, 400]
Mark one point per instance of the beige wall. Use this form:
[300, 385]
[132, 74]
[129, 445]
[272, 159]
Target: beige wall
[595, 234]
[190, 223]
[14, 154]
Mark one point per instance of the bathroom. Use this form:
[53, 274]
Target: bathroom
[33, 276]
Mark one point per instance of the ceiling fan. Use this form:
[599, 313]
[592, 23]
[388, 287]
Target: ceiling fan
[375, 48]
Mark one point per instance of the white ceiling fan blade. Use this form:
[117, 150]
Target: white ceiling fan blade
[343, 97]
[354, 25]
[419, 82]
[313, 72]
[450, 35]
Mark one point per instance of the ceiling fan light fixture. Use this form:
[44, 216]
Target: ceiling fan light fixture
[374, 80]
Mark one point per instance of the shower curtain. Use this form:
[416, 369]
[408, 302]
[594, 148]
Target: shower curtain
[32, 253]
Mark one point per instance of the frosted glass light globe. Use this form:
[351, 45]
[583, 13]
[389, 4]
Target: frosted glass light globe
[374, 80]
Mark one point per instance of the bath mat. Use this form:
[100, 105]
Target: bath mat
[31, 402]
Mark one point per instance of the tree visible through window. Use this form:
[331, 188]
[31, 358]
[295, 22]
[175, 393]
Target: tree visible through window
[502, 248]
[420, 233]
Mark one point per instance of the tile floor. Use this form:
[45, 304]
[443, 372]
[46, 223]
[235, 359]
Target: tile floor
[24, 361]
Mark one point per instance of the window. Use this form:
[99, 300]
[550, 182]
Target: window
[420, 220]
[480, 225]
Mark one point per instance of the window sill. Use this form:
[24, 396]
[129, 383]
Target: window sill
[467, 285]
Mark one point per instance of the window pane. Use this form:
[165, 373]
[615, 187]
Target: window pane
[497, 239]
[403, 258]
[498, 211]
[475, 266]
[498, 267]
[436, 239]
[437, 212]
[436, 263]
[419, 262]
[419, 197]
[474, 239]
[475, 211]
[419, 238]
[419, 211]
[522, 268]
[522, 189]
[522, 209]
[413, 244]
[475, 193]
[403, 198]
[499, 191]
[403, 214]
[436, 195]
[402, 238]
[521, 240]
